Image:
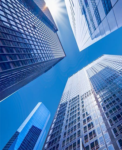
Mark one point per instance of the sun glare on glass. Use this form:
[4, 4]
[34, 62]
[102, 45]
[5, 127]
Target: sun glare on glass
[56, 8]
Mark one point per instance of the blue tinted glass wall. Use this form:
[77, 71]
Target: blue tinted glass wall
[31, 133]
[92, 20]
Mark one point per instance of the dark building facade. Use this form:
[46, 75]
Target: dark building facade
[89, 116]
[31, 138]
[29, 44]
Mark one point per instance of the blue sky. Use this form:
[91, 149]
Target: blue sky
[49, 87]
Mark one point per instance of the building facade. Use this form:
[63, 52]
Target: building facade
[29, 44]
[30, 134]
[89, 115]
[91, 20]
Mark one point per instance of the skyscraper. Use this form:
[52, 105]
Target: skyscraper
[89, 116]
[29, 44]
[41, 4]
[30, 134]
[92, 20]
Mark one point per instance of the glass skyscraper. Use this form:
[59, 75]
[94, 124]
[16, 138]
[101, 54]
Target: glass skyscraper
[41, 4]
[89, 116]
[30, 134]
[29, 44]
[92, 20]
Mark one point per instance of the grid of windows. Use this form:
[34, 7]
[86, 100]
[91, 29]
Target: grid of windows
[8, 145]
[91, 20]
[28, 47]
[32, 135]
[107, 5]
[107, 85]
[93, 112]
[56, 128]
[96, 12]
[72, 125]
[94, 129]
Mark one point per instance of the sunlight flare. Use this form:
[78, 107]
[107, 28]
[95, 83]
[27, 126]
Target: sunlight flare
[57, 8]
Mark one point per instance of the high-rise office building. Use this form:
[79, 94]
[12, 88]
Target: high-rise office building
[92, 20]
[42, 5]
[30, 134]
[29, 44]
[89, 116]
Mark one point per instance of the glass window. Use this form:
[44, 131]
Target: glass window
[98, 130]
[85, 129]
[103, 127]
[110, 121]
[120, 143]
[87, 147]
[96, 122]
[3, 58]
[112, 21]
[74, 145]
[2, 13]
[4, 19]
[107, 138]
[115, 131]
[100, 119]
[115, 119]
[86, 138]
[5, 66]
[101, 141]
[110, 147]
[120, 128]
[107, 6]
[118, 11]
[101, 10]
[95, 144]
